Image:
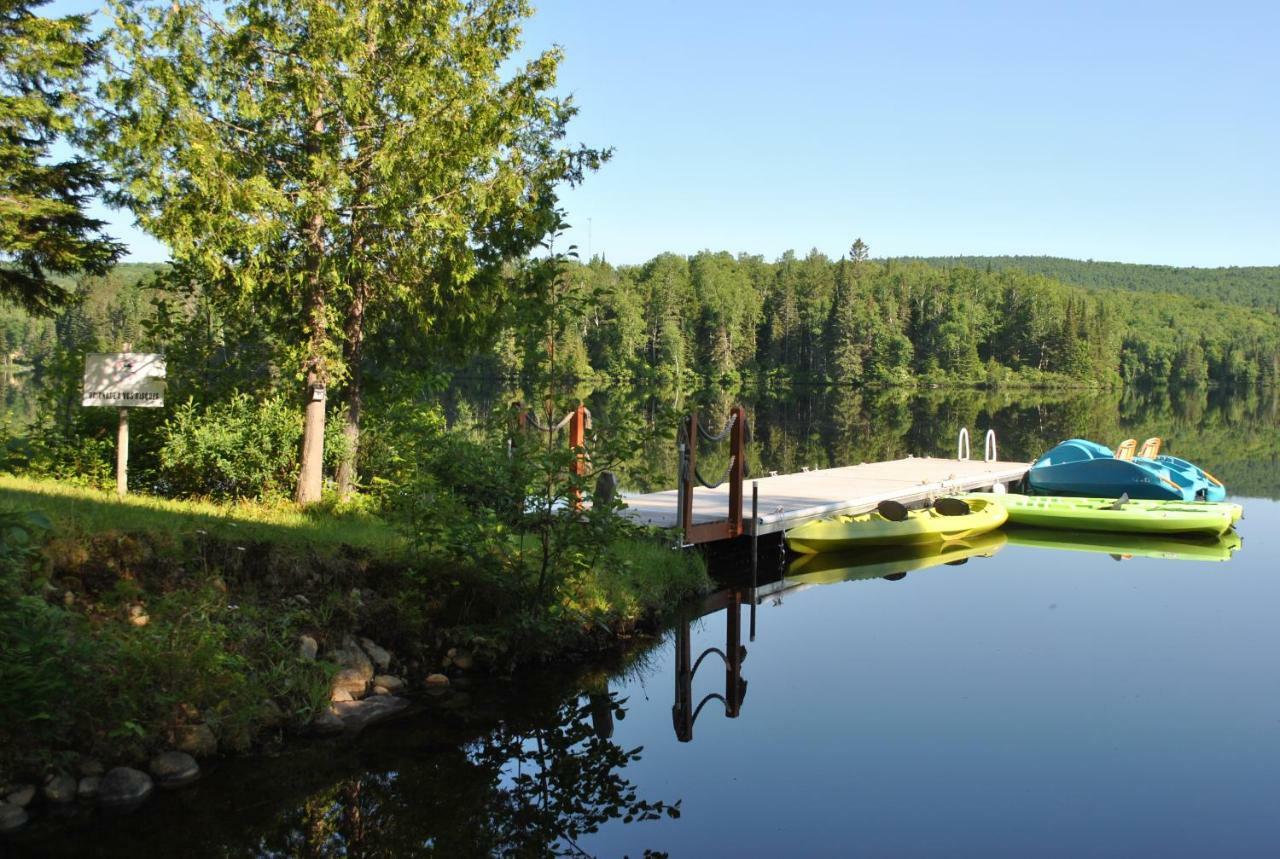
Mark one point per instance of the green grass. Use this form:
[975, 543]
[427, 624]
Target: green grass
[74, 509]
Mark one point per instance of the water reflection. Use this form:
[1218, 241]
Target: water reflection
[1125, 546]
[547, 776]
[1230, 432]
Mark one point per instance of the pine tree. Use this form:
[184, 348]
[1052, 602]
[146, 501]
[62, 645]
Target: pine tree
[44, 230]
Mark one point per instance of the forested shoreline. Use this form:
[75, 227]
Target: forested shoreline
[715, 316]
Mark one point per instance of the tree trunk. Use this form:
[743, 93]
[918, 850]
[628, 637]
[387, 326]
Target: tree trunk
[311, 474]
[354, 349]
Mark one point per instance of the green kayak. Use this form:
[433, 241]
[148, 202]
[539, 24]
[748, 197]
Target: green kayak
[1135, 516]
[1125, 546]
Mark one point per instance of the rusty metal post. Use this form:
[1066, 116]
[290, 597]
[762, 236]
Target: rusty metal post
[737, 443]
[686, 483]
[734, 685]
[577, 444]
[682, 707]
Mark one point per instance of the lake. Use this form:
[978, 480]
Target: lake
[1032, 700]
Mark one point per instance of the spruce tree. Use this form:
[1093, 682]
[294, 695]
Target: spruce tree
[44, 231]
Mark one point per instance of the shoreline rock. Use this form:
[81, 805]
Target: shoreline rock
[358, 715]
[59, 788]
[12, 817]
[124, 788]
[174, 769]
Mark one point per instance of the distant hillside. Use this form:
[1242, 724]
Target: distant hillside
[1251, 286]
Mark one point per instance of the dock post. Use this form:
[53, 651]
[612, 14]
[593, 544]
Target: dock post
[735, 687]
[755, 551]
[737, 443]
[687, 478]
[577, 444]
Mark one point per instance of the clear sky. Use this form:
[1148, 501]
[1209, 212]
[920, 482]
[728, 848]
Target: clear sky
[1142, 132]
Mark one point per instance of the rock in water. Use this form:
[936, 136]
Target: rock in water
[88, 787]
[437, 680]
[21, 795]
[326, 723]
[174, 769]
[389, 682]
[196, 740]
[381, 658]
[352, 656]
[124, 788]
[348, 681]
[59, 788]
[358, 715]
[12, 817]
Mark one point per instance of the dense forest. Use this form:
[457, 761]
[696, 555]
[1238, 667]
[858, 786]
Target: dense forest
[1252, 286]
[715, 316]
[885, 322]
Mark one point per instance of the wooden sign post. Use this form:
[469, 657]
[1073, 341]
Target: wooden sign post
[123, 380]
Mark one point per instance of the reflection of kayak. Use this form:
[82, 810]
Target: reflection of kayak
[889, 561]
[1080, 467]
[921, 527]
[1122, 546]
[1135, 516]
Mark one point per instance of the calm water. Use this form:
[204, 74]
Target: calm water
[1029, 701]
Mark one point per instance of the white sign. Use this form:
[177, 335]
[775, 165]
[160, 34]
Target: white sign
[124, 380]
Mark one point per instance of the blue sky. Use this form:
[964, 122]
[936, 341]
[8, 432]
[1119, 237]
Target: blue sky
[1142, 132]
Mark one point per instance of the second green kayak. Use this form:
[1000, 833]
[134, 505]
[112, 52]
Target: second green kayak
[1135, 516]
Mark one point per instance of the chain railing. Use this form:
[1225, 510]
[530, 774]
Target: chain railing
[687, 436]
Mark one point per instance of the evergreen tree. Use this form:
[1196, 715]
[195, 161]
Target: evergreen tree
[44, 230]
[346, 162]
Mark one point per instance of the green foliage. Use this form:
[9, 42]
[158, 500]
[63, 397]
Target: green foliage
[47, 657]
[1251, 286]
[866, 322]
[239, 448]
[44, 230]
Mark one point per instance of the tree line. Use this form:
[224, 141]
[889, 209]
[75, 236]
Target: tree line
[862, 321]
[1251, 286]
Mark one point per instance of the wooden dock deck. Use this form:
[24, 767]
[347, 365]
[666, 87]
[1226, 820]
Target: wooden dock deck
[786, 501]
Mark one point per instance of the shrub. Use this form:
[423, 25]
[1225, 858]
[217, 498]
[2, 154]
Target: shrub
[237, 448]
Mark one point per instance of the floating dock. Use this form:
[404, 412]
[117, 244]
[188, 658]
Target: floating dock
[785, 501]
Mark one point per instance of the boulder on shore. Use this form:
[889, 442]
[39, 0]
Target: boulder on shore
[196, 740]
[389, 682]
[174, 769]
[358, 715]
[21, 795]
[88, 787]
[379, 655]
[326, 723]
[124, 788]
[12, 817]
[59, 788]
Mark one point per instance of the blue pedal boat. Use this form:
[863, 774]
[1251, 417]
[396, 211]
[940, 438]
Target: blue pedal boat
[1085, 468]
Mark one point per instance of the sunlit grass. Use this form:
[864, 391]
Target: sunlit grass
[76, 509]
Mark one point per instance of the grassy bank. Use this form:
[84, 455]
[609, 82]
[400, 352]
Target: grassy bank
[124, 622]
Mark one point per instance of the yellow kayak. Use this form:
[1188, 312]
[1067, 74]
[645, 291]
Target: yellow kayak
[920, 527]
[877, 563]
